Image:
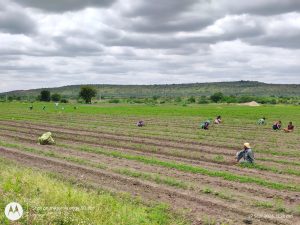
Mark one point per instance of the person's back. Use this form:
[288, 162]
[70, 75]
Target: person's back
[277, 125]
[246, 154]
[218, 120]
[249, 156]
[261, 121]
[290, 127]
[140, 123]
[204, 125]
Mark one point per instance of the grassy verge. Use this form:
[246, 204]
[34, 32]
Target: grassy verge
[40, 192]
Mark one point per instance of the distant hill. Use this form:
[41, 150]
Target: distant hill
[238, 88]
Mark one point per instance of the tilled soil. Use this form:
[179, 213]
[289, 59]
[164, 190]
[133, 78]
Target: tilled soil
[227, 201]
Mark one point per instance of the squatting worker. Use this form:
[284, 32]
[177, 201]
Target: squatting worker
[246, 154]
[290, 128]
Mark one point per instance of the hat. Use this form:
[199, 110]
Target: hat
[247, 145]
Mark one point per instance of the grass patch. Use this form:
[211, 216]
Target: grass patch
[38, 193]
[223, 195]
[207, 220]
[280, 161]
[219, 158]
[263, 204]
[153, 177]
[271, 169]
[279, 206]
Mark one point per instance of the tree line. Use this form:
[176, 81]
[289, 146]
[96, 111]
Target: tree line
[87, 93]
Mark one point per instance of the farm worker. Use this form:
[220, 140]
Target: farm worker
[46, 139]
[44, 107]
[56, 104]
[290, 128]
[277, 125]
[140, 123]
[204, 125]
[246, 154]
[218, 120]
[261, 121]
[31, 107]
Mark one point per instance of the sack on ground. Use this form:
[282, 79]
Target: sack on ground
[46, 139]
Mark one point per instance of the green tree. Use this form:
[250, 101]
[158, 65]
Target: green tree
[55, 97]
[45, 96]
[217, 97]
[87, 93]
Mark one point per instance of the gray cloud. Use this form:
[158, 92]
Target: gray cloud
[13, 20]
[265, 7]
[64, 5]
[139, 41]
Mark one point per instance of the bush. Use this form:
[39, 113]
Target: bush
[178, 99]
[64, 100]
[203, 100]
[56, 97]
[155, 97]
[217, 97]
[191, 99]
[230, 99]
[244, 99]
[114, 101]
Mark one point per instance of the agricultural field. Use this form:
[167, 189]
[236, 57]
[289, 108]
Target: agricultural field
[168, 172]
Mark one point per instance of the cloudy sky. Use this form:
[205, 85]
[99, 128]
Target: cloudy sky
[47, 43]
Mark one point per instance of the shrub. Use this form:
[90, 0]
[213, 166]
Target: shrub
[56, 97]
[114, 101]
[64, 100]
[191, 99]
[217, 97]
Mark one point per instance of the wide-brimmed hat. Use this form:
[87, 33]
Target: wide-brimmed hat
[247, 145]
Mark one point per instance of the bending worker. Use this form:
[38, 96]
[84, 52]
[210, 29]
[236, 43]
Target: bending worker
[290, 128]
[245, 154]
